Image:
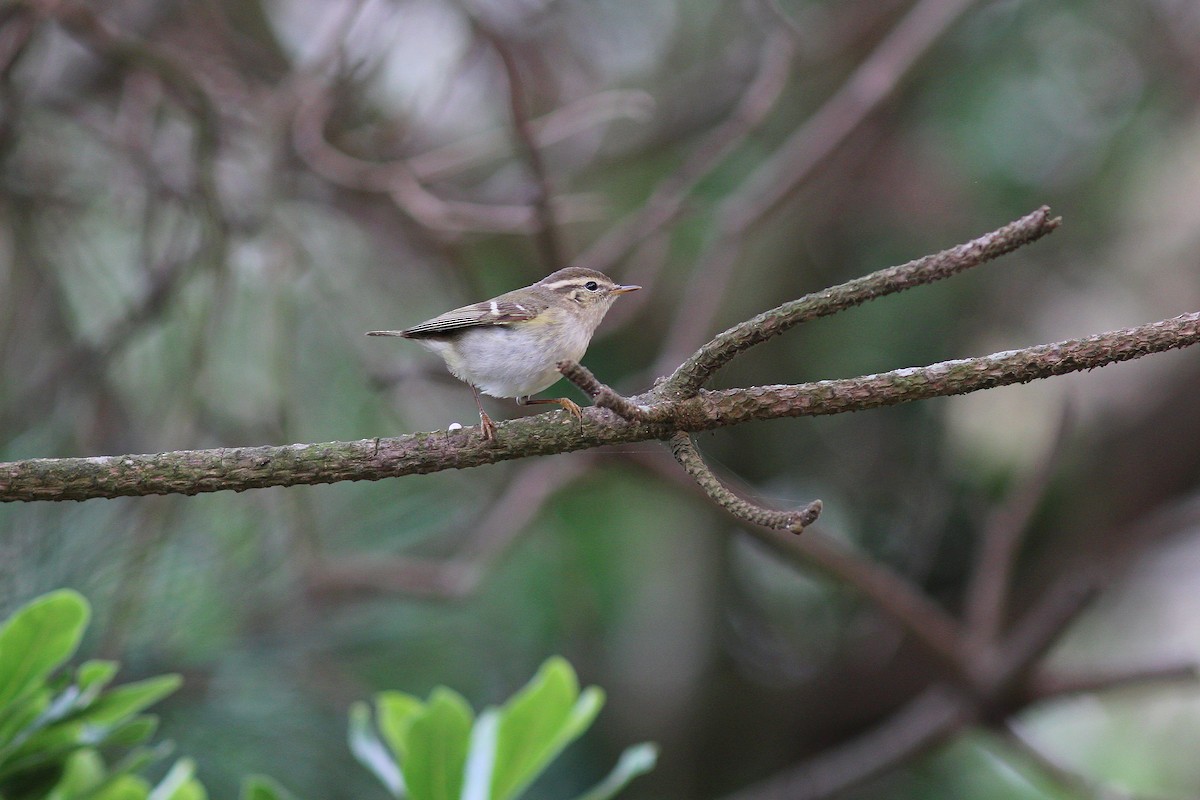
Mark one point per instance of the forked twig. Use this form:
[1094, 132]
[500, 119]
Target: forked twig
[723, 348]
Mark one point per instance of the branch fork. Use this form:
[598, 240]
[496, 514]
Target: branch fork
[676, 404]
[685, 383]
[686, 453]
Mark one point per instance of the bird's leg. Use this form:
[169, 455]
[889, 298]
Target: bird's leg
[485, 422]
[569, 405]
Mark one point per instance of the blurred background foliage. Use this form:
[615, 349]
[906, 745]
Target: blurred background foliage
[205, 203]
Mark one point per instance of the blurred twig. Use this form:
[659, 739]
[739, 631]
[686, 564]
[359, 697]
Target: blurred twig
[987, 592]
[667, 199]
[489, 537]
[1071, 780]
[869, 85]
[978, 686]
[557, 125]
[1046, 686]
[164, 274]
[794, 161]
[398, 180]
[925, 722]
[546, 234]
[894, 595]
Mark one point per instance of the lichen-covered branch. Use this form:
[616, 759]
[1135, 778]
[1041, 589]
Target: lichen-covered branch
[603, 396]
[238, 469]
[723, 348]
[689, 458]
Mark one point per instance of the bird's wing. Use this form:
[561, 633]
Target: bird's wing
[490, 312]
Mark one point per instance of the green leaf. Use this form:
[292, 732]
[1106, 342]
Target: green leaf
[635, 761]
[179, 783]
[56, 742]
[263, 787]
[438, 740]
[130, 732]
[19, 718]
[190, 790]
[396, 712]
[139, 758]
[93, 676]
[537, 723]
[481, 760]
[371, 752]
[124, 787]
[83, 772]
[36, 640]
[123, 702]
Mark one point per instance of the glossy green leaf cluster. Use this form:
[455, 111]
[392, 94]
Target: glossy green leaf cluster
[439, 750]
[57, 727]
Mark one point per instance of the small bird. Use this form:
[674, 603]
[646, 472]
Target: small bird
[510, 346]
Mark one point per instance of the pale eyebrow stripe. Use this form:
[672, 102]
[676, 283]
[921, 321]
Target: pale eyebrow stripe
[573, 282]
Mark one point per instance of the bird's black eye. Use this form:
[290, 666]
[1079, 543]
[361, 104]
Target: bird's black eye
[591, 286]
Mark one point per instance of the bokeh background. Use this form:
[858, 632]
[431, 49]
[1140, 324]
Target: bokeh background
[205, 203]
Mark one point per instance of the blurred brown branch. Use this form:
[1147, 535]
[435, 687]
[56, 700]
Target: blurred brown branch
[458, 576]
[546, 234]
[793, 162]
[980, 676]
[667, 200]
[397, 179]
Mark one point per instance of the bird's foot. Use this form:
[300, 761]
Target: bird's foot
[487, 426]
[567, 404]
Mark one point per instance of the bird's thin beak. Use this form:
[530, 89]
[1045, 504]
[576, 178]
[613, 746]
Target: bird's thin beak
[625, 289]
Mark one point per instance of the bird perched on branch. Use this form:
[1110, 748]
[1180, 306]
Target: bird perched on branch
[510, 346]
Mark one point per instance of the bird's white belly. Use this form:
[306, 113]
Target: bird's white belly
[498, 360]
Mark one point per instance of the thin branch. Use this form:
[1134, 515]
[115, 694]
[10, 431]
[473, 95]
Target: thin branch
[928, 720]
[396, 179]
[723, 348]
[238, 469]
[667, 200]
[547, 234]
[562, 123]
[874, 80]
[891, 593]
[1039, 630]
[603, 396]
[1048, 686]
[689, 458]
[987, 592]
[493, 534]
